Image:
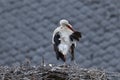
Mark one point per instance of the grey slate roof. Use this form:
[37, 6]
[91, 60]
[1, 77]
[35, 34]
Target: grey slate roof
[26, 28]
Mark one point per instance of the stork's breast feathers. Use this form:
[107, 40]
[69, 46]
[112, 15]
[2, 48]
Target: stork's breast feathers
[63, 48]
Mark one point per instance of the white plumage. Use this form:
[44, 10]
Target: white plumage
[62, 39]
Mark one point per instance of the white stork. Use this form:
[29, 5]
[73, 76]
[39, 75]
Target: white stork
[64, 40]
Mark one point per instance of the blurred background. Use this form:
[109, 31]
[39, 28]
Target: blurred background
[26, 28]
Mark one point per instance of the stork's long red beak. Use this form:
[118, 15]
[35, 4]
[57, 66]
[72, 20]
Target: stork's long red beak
[70, 27]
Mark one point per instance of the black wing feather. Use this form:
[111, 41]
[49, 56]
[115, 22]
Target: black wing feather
[75, 36]
[57, 42]
[72, 51]
[56, 38]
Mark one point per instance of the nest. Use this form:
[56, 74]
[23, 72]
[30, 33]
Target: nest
[49, 72]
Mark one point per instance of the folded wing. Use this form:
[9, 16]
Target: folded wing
[56, 44]
[75, 36]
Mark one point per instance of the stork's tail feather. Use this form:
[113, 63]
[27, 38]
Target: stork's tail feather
[62, 56]
[59, 54]
[75, 36]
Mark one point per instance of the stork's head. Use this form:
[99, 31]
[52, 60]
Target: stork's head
[65, 23]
